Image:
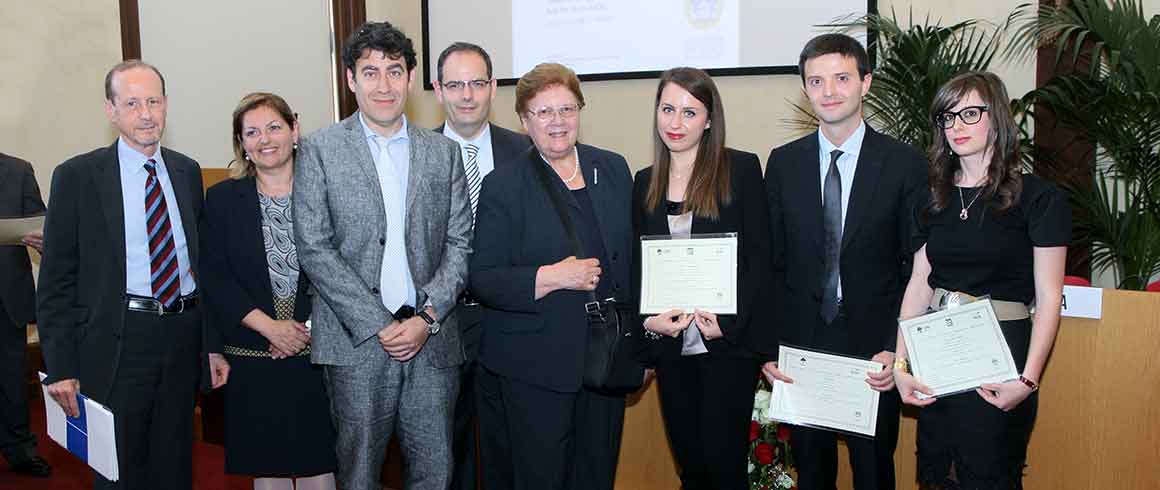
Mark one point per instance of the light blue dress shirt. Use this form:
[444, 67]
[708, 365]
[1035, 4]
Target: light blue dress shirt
[133, 175]
[392, 156]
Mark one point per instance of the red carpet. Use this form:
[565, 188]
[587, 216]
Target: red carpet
[69, 473]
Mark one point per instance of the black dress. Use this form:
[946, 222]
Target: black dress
[277, 413]
[963, 435]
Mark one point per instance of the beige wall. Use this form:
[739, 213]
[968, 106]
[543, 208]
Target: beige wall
[619, 113]
[54, 57]
[212, 53]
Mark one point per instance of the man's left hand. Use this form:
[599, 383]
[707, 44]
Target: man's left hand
[882, 380]
[407, 339]
[35, 240]
[219, 370]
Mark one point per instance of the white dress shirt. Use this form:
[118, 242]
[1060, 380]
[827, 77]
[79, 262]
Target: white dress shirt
[484, 158]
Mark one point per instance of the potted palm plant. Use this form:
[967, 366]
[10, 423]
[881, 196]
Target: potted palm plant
[1112, 100]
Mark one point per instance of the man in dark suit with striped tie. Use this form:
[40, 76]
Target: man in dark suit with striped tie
[117, 303]
[466, 88]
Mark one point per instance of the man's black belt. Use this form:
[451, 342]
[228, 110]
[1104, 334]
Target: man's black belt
[152, 305]
[404, 312]
[467, 299]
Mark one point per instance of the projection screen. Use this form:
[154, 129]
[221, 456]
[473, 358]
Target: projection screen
[622, 39]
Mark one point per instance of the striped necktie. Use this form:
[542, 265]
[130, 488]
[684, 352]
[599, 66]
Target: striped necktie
[471, 166]
[163, 273]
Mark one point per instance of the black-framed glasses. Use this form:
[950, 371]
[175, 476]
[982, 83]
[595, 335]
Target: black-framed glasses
[566, 111]
[459, 85]
[969, 115]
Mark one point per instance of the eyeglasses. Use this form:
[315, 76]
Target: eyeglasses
[459, 85]
[969, 115]
[567, 111]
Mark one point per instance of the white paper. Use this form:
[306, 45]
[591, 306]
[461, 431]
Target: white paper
[1082, 302]
[101, 434]
[689, 273]
[828, 391]
[958, 348]
[12, 230]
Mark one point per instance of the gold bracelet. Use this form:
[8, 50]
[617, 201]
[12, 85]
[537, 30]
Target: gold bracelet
[902, 364]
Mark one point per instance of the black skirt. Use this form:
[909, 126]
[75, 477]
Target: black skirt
[986, 446]
[277, 418]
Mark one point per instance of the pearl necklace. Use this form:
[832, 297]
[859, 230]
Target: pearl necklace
[575, 172]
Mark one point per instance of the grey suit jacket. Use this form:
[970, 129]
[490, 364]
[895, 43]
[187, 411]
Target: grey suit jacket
[340, 226]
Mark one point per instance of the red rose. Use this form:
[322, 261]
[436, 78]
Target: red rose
[754, 430]
[782, 433]
[764, 453]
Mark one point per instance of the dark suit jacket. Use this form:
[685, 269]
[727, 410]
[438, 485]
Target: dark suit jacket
[506, 145]
[81, 296]
[234, 274]
[507, 148]
[874, 261]
[517, 231]
[751, 332]
[19, 196]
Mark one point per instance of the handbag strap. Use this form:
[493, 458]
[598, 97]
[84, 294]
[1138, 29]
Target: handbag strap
[558, 202]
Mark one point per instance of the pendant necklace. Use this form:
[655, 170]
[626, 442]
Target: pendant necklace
[963, 215]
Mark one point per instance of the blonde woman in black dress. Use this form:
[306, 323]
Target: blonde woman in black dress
[277, 418]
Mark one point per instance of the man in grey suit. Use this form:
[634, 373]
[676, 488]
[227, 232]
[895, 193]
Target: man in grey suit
[382, 222]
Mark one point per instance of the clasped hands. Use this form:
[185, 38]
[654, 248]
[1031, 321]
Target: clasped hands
[403, 340]
[673, 322]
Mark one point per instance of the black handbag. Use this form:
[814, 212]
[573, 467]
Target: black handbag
[610, 362]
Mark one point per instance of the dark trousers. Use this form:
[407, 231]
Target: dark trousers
[558, 440]
[463, 430]
[815, 451]
[494, 447]
[152, 401]
[706, 403]
[17, 443]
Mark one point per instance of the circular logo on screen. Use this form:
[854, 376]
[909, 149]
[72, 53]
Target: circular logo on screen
[703, 14]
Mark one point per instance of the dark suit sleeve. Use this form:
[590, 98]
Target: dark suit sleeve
[777, 240]
[58, 317]
[495, 278]
[914, 192]
[639, 198]
[226, 300]
[752, 325]
[32, 203]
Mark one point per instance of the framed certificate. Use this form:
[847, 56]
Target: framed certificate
[958, 348]
[689, 273]
[828, 392]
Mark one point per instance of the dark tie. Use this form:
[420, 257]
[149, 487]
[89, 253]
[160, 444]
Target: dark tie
[163, 273]
[471, 166]
[832, 229]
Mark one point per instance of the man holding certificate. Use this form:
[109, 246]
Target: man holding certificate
[985, 229]
[838, 202]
